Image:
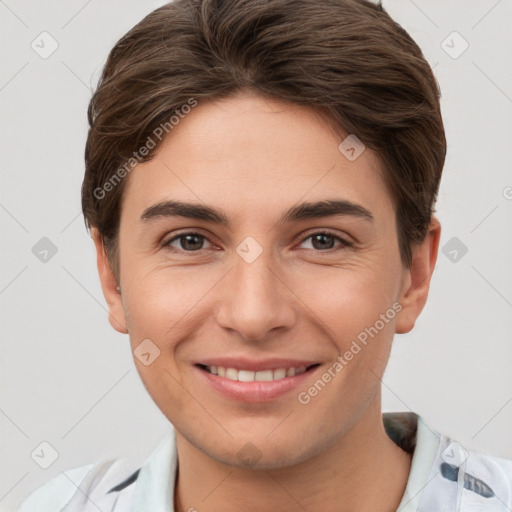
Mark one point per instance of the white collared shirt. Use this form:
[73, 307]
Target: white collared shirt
[444, 477]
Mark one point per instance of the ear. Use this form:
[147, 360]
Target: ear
[116, 315]
[416, 282]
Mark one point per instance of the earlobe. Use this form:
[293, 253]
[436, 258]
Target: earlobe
[111, 290]
[417, 278]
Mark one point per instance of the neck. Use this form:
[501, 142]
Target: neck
[364, 471]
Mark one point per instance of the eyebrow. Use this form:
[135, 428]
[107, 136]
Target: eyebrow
[303, 211]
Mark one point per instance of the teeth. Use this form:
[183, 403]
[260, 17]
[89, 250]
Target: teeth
[279, 374]
[265, 375]
[249, 376]
[231, 374]
[245, 376]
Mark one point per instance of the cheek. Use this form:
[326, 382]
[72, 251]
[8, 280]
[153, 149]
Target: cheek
[156, 308]
[359, 323]
[347, 301]
[165, 310]
[356, 311]
[157, 302]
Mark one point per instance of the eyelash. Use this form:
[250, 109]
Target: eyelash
[344, 243]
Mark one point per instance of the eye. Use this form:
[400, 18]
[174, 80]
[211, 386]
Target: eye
[188, 242]
[325, 240]
[320, 241]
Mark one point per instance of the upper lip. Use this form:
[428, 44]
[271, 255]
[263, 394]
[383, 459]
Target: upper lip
[255, 364]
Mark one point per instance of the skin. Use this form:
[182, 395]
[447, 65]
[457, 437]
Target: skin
[254, 158]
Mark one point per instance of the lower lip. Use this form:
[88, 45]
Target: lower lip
[256, 391]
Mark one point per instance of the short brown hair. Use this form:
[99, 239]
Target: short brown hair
[345, 58]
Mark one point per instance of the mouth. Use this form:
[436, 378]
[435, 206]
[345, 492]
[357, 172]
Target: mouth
[256, 376]
[255, 385]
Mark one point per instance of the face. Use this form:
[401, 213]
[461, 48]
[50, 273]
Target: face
[261, 281]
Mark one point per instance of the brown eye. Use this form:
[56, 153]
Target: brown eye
[322, 241]
[187, 242]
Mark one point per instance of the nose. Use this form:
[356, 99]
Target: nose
[255, 299]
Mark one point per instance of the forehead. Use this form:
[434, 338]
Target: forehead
[255, 154]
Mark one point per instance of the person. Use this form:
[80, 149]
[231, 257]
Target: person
[260, 186]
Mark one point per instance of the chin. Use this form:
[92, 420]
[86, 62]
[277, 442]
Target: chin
[265, 455]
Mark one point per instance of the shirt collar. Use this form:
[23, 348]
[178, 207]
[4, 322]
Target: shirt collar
[155, 483]
[410, 431]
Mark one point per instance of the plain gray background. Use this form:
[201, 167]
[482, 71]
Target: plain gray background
[68, 378]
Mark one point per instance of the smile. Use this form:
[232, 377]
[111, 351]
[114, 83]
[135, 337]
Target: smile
[254, 376]
[255, 385]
